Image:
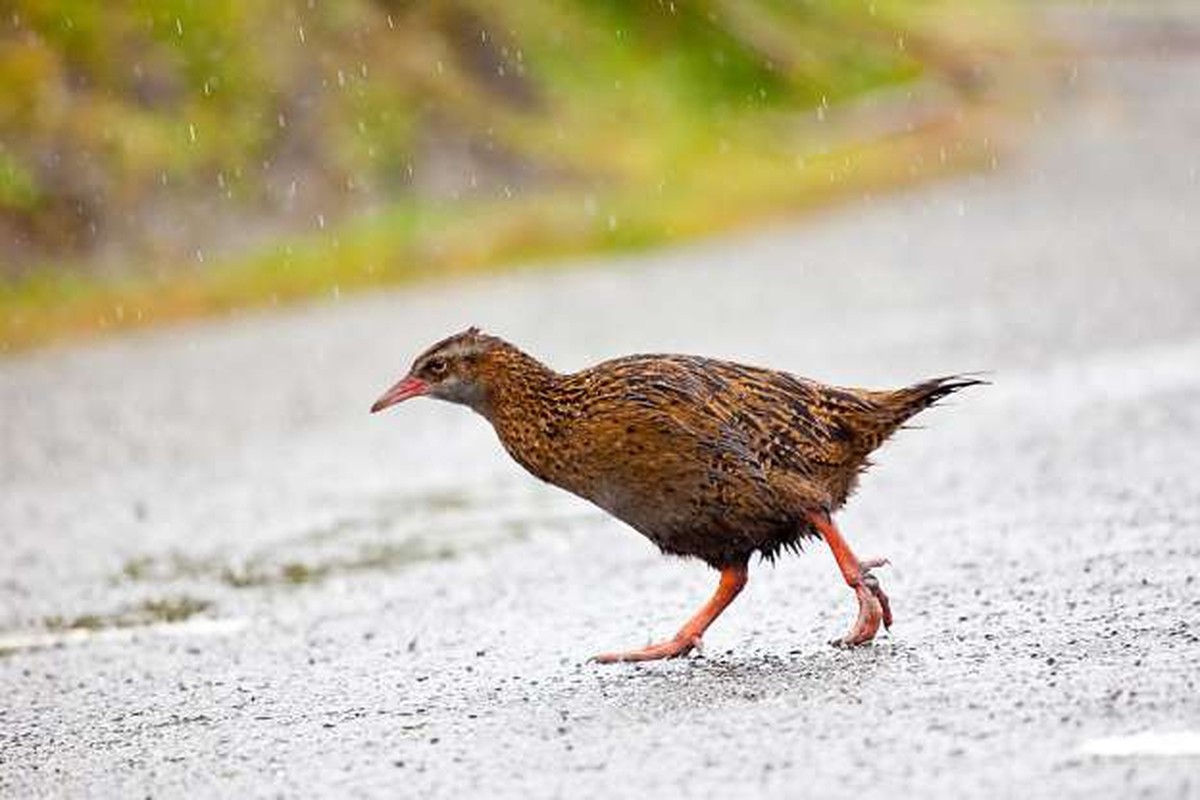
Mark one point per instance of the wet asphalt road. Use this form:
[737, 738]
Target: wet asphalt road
[391, 607]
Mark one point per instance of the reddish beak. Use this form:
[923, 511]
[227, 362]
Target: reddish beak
[406, 388]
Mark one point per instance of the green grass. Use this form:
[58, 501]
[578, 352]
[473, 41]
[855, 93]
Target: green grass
[415, 242]
[649, 122]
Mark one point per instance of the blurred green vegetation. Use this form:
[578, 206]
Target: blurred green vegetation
[165, 158]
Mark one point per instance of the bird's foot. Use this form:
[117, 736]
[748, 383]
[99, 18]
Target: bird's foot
[680, 646]
[733, 579]
[873, 606]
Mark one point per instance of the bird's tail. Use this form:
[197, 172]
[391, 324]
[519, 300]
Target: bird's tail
[911, 400]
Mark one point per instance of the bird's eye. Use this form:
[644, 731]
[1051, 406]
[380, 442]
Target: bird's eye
[437, 366]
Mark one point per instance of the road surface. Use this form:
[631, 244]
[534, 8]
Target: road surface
[347, 605]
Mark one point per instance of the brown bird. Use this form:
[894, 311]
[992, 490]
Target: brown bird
[706, 458]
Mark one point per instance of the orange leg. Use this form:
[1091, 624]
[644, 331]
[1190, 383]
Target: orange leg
[873, 607]
[733, 579]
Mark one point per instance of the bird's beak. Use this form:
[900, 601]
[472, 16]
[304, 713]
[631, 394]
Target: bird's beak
[406, 388]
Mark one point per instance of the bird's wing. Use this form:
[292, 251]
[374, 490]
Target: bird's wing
[750, 422]
[811, 440]
[785, 420]
[665, 411]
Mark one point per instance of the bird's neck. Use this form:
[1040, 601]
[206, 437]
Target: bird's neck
[518, 387]
[525, 406]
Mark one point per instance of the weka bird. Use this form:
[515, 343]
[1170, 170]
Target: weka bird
[706, 458]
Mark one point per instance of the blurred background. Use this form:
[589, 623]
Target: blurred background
[160, 160]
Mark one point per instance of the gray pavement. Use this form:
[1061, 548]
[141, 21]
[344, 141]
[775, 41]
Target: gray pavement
[389, 607]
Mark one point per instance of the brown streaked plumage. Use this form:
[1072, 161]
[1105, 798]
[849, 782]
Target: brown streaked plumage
[706, 458]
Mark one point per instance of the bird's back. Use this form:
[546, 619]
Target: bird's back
[706, 457]
[782, 423]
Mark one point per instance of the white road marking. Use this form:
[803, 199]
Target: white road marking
[38, 640]
[1181, 743]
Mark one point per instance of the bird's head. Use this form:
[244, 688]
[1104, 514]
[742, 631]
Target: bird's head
[455, 369]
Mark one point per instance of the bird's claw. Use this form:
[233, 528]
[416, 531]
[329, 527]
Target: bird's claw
[872, 583]
[873, 607]
[678, 647]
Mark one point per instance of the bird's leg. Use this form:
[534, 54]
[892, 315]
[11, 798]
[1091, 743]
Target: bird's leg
[733, 579]
[873, 607]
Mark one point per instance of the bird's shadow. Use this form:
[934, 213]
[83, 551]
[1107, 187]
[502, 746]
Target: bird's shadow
[741, 677]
